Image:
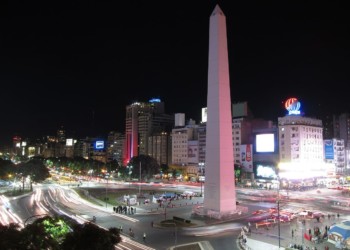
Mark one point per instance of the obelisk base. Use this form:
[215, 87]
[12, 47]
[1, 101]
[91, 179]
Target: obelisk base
[200, 210]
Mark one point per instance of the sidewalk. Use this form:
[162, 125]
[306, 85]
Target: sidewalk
[262, 236]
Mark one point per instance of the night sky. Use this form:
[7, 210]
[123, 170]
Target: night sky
[78, 64]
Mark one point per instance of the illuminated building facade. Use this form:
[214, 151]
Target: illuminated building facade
[159, 148]
[142, 121]
[301, 146]
[180, 144]
[115, 146]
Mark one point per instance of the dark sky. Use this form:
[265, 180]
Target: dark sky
[79, 63]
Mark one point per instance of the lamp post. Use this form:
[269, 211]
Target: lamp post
[140, 181]
[129, 168]
[106, 190]
[201, 165]
[278, 213]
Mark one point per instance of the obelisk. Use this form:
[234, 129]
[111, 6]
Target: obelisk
[219, 189]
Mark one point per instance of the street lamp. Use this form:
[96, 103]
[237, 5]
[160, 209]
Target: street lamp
[278, 212]
[129, 167]
[201, 176]
[106, 190]
[140, 181]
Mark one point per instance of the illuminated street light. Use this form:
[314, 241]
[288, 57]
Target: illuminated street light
[129, 167]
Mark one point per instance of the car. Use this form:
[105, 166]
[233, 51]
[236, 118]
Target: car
[260, 211]
[317, 214]
[289, 214]
[187, 194]
[282, 217]
[265, 223]
[272, 210]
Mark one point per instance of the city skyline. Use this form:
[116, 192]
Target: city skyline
[79, 66]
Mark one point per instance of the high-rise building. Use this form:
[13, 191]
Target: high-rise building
[341, 127]
[115, 147]
[301, 147]
[16, 145]
[142, 121]
[180, 140]
[61, 135]
[159, 147]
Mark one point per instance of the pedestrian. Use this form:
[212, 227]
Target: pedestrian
[144, 237]
[121, 228]
[292, 233]
[338, 215]
[151, 223]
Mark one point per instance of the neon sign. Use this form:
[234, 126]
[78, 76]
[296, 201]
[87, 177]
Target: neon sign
[293, 106]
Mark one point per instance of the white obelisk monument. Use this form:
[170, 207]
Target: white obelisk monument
[219, 189]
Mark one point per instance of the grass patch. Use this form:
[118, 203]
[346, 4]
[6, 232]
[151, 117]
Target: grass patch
[17, 192]
[88, 198]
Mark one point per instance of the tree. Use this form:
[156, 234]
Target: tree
[6, 168]
[9, 236]
[39, 235]
[56, 233]
[35, 169]
[149, 166]
[164, 168]
[89, 236]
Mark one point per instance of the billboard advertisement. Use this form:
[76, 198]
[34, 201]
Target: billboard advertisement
[247, 157]
[99, 145]
[328, 149]
[266, 171]
[265, 143]
[204, 114]
[69, 142]
[192, 154]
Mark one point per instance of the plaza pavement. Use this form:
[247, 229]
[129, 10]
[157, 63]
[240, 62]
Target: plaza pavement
[259, 239]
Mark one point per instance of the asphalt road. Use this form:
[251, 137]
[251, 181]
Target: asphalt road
[53, 198]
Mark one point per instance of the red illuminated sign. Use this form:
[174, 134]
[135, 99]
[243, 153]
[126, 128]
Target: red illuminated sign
[293, 106]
